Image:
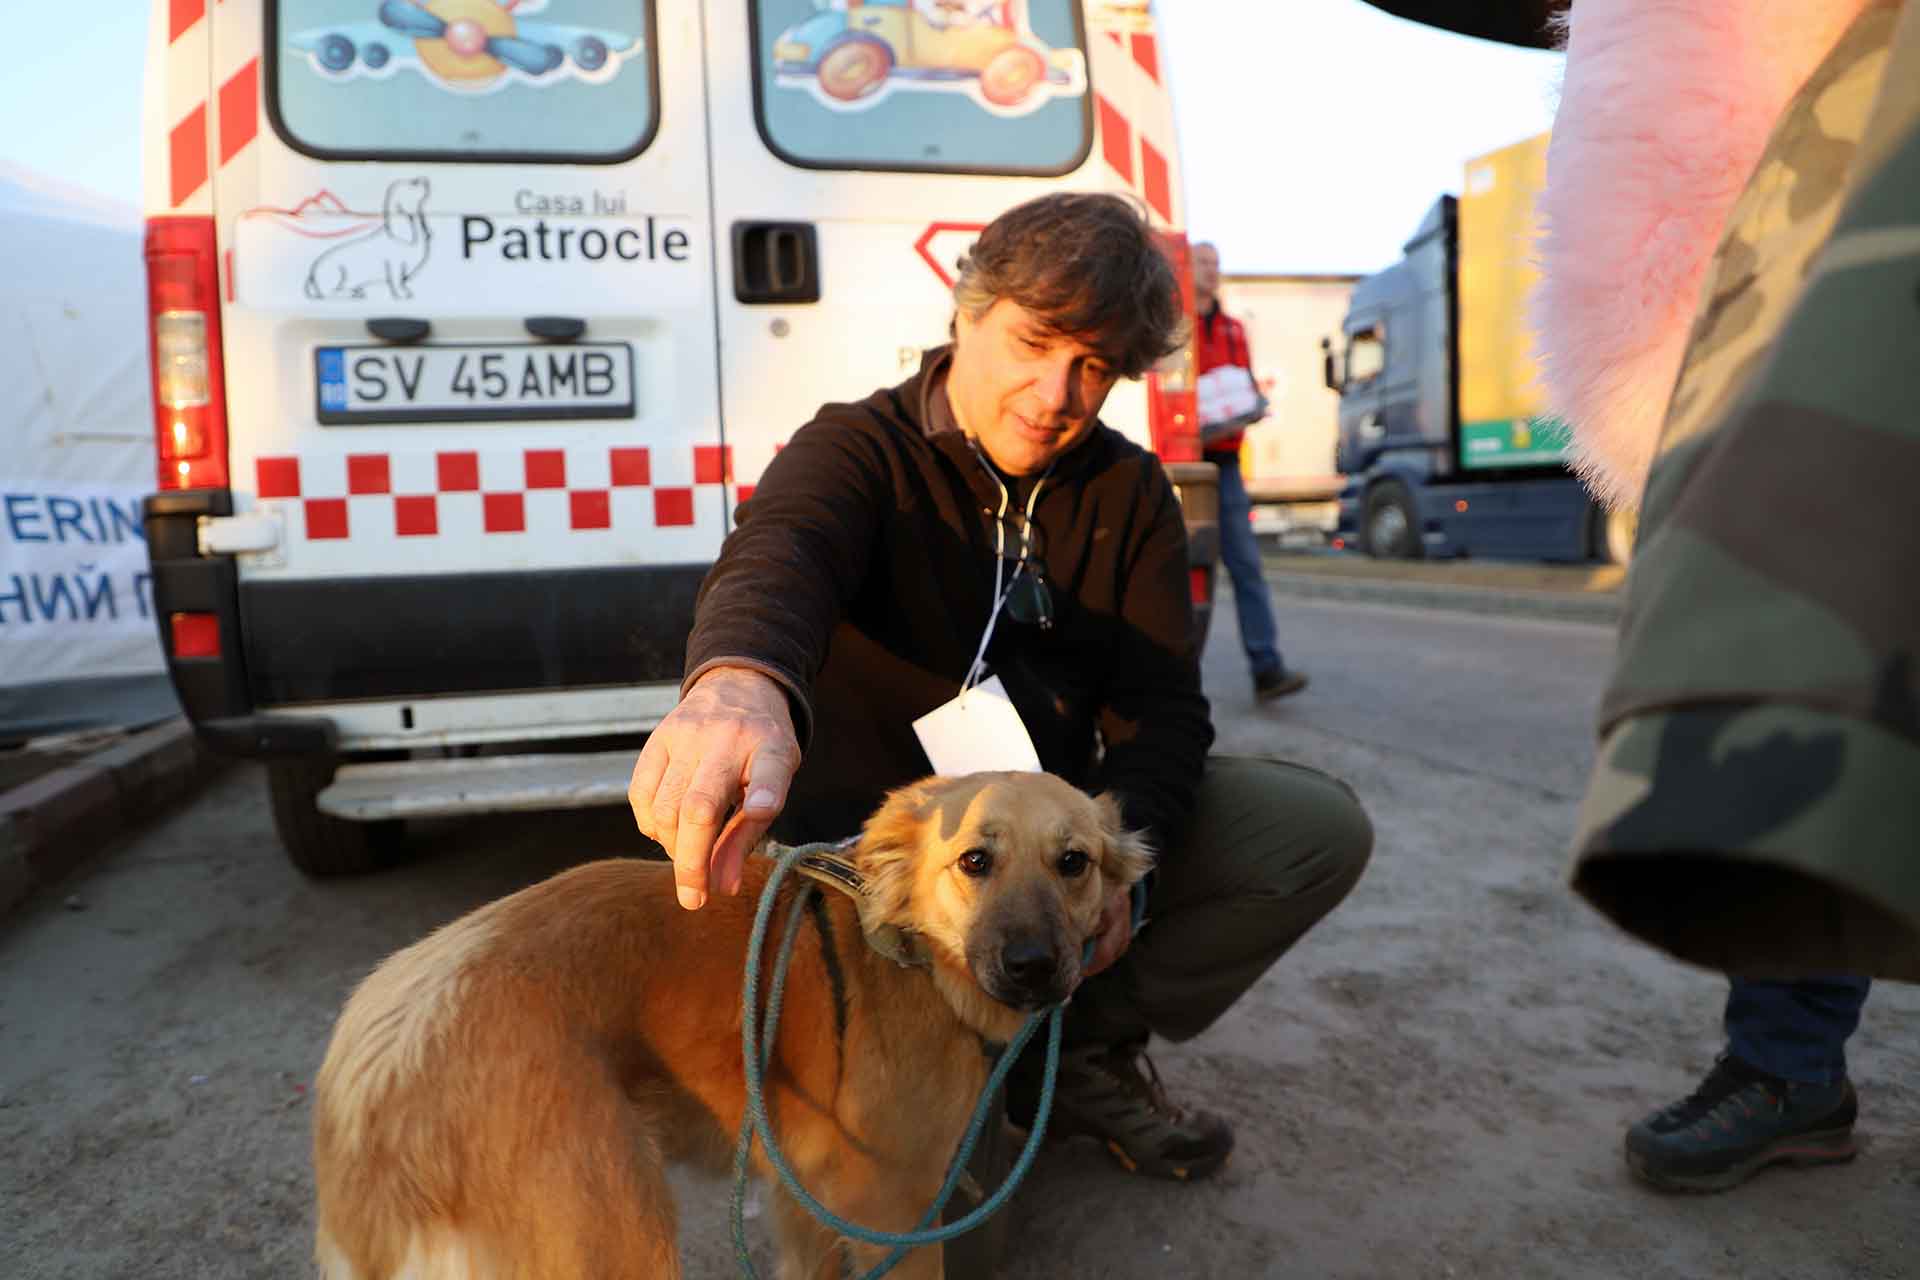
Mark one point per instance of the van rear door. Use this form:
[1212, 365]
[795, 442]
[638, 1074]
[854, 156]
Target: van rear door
[860, 147]
[469, 339]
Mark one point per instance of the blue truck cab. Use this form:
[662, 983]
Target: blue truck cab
[1443, 444]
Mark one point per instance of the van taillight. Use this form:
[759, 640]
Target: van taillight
[189, 391]
[1173, 407]
[195, 635]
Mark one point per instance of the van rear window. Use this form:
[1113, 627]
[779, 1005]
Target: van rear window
[971, 86]
[554, 80]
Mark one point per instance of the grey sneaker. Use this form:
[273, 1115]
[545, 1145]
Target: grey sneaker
[1268, 685]
[1114, 1094]
[1737, 1122]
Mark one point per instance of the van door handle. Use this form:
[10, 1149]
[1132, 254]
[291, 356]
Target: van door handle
[556, 328]
[776, 262]
[401, 329]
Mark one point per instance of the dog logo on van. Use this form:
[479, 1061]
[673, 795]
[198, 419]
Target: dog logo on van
[387, 254]
[473, 46]
[852, 54]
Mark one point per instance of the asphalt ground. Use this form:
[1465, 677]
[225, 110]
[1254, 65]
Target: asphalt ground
[1570, 592]
[1434, 1083]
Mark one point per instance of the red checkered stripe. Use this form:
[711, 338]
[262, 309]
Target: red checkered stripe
[431, 480]
[751, 462]
[1135, 115]
[205, 130]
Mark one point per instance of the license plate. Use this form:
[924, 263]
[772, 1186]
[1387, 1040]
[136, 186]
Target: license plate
[462, 383]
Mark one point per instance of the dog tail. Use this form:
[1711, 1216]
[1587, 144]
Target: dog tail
[332, 1261]
[384, 1190]
[445, 1256]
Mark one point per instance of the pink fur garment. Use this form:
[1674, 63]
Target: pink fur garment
[1665, 109]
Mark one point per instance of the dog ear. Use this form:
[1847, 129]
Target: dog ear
[888, 851]
[1127, 856]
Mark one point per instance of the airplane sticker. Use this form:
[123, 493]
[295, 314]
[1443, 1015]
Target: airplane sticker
[470, 46]
[852, 54]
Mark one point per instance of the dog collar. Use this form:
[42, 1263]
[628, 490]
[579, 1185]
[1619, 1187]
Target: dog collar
[826, 864]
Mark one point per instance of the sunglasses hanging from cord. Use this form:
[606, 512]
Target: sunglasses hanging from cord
[1029, 599]
[1034, 601]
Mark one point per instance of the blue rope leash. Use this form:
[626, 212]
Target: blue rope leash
[757, 1052]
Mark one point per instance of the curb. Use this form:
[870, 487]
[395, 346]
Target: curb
[55, 822]
[1594, 608]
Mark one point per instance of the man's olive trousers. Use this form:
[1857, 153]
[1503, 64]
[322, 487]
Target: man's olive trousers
[1271, 848]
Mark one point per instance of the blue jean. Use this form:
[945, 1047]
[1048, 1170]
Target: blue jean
[1252, 602]
[1795, 1030]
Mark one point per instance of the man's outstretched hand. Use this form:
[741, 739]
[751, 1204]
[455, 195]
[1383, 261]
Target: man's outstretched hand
[1115, 935]
[730, 737]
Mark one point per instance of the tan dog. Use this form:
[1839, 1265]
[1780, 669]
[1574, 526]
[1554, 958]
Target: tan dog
[501, 1099]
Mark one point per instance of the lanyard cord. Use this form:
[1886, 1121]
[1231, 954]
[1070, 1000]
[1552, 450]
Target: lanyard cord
[1000, 593]
[999, 596]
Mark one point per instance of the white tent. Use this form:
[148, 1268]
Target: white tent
[79, 646]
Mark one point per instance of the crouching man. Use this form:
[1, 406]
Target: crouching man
[979, 521]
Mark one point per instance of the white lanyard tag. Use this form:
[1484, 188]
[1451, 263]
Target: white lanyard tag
[979, 731]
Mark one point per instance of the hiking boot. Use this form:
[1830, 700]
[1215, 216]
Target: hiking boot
[1737, 1122]
[1278, 683]
[1114, 1094]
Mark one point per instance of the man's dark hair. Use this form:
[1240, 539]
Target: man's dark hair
[1090, 267]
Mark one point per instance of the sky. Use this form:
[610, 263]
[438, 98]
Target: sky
[1313, 133]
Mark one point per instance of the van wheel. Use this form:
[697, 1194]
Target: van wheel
[1391, 527]
[1613, 535]
[317, 843]
[1011, 75]
[854, 68]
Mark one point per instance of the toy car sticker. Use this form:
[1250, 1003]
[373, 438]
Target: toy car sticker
[851, 55]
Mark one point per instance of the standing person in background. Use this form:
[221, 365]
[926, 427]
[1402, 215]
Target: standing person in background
[1221, 345]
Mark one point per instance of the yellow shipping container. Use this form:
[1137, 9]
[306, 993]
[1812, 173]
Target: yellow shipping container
[1500, 396]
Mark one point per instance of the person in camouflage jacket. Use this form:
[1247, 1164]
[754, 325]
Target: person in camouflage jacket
[1755, 806]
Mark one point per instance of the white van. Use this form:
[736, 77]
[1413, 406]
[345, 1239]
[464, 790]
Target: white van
[474, 320]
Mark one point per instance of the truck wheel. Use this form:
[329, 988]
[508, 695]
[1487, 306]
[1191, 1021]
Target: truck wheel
[317, 843]
[1390, 528]
[1614, 533]
[854, 68]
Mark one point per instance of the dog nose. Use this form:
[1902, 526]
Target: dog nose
[1029, 962]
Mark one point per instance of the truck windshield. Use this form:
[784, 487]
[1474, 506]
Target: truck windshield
[969, 86]
[468, 79]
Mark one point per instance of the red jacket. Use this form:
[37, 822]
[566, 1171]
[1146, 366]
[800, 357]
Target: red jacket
[1220, 339]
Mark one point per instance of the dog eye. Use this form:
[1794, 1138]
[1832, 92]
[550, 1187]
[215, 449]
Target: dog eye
[976, 862]
[1073, 862]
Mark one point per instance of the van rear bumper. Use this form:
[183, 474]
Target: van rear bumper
[318, 641]
[325, 640]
